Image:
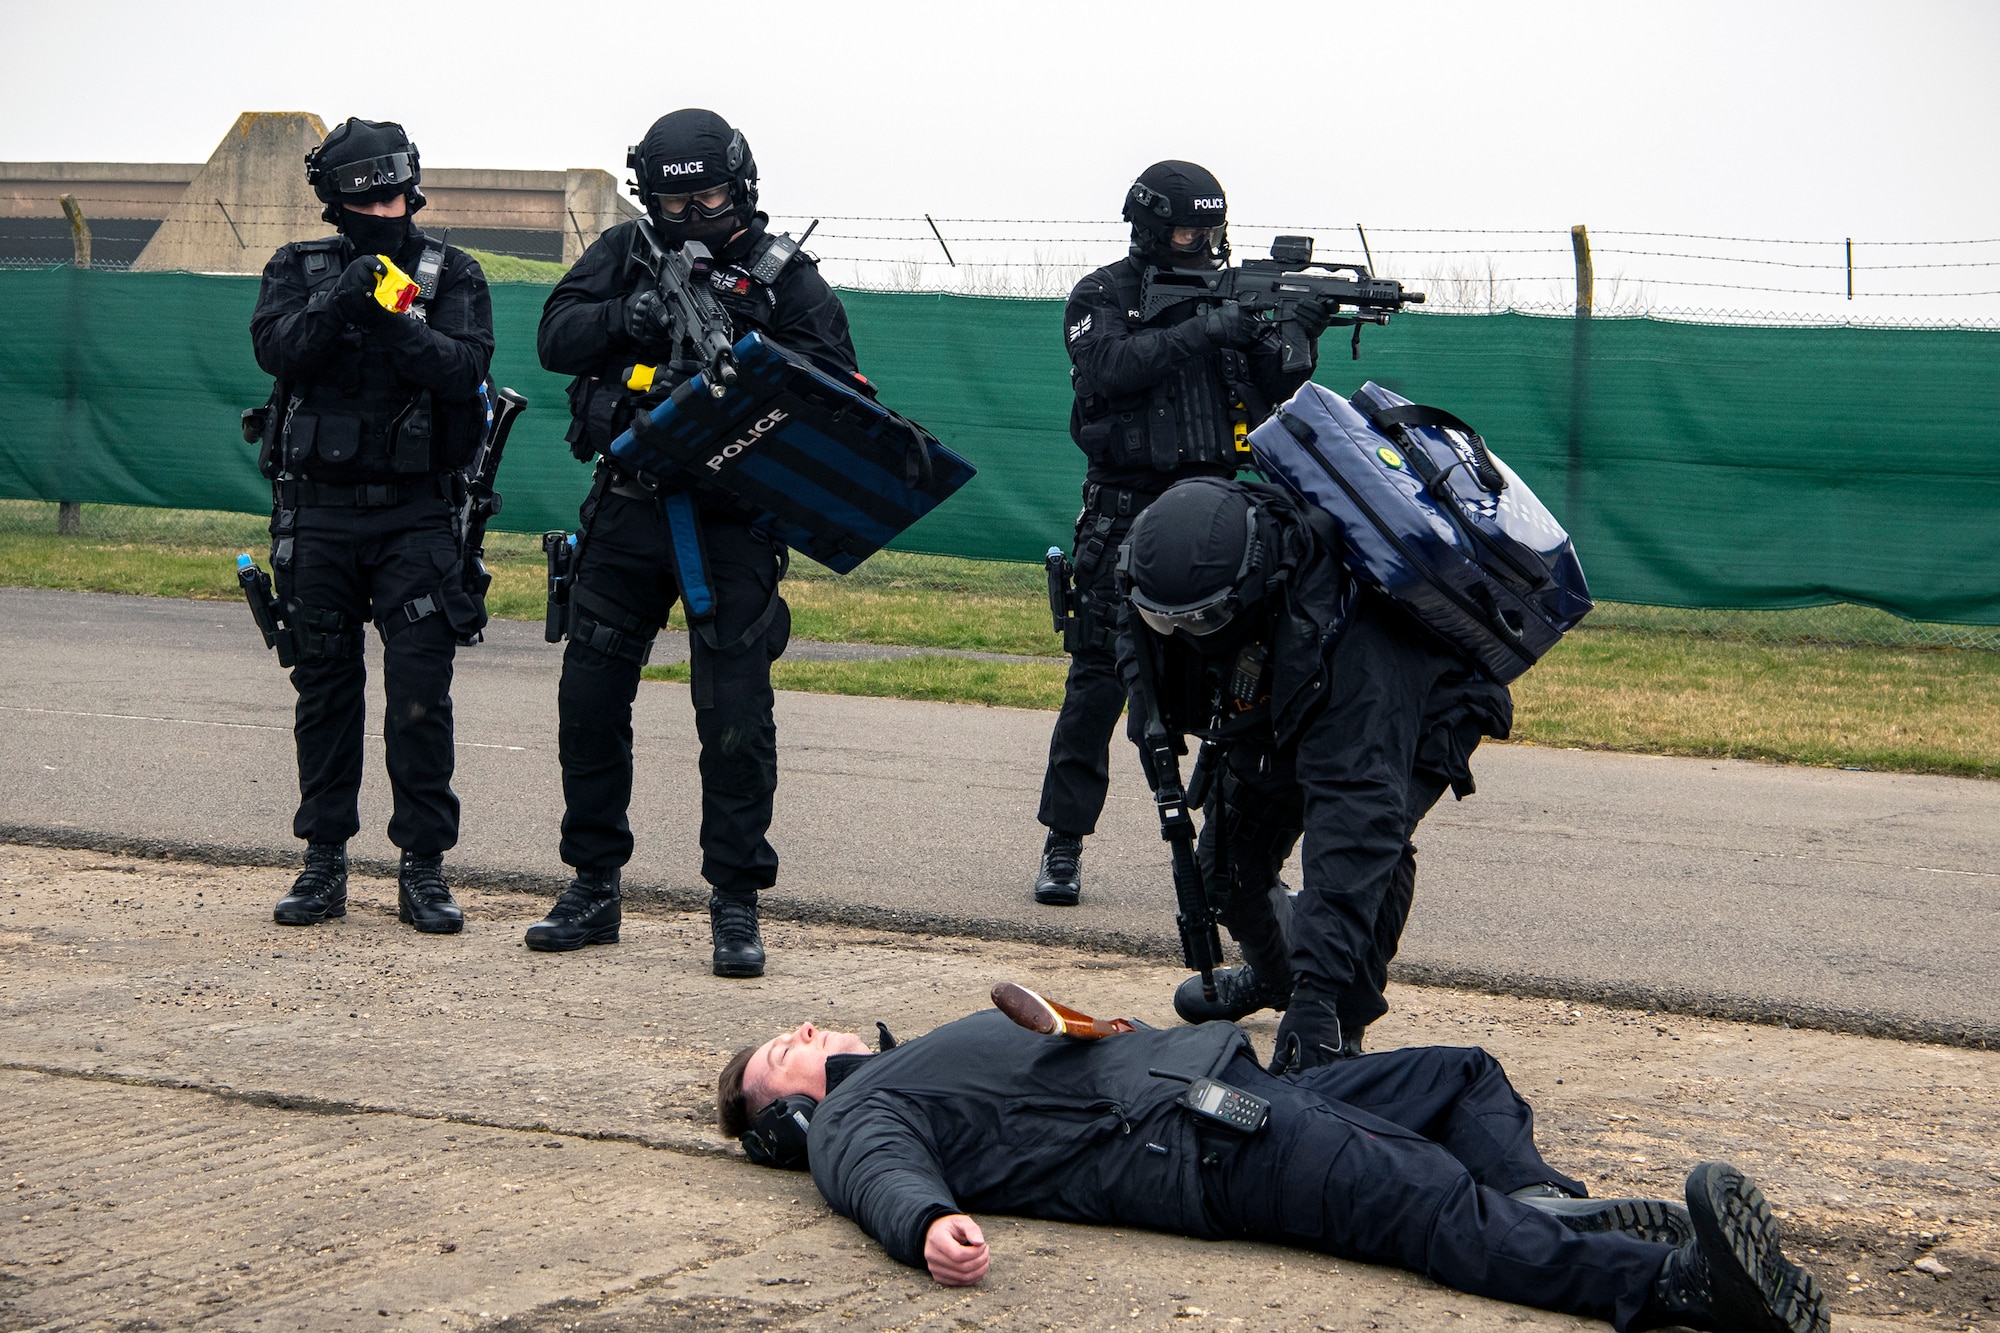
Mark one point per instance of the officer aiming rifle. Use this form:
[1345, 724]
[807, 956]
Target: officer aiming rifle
[1271, 290]
[683, 310]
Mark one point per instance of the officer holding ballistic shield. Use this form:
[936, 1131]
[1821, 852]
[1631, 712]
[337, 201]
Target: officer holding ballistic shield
[607, 325]
[1156, 401]
[379, 338]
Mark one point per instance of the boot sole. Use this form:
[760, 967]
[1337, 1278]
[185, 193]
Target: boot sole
[1644, 1219]
[739, 970]
[558, 946]
[1758, 1287]
[448, 928]
[1058, 897]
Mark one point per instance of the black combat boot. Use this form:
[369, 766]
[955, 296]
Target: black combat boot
[1655, 1220]
[732, 925]
[588, 912]
[423, 899]
[1239, 992]
[1311, 1036]
[320, 891]
[1059, 882]
[1732, 1277]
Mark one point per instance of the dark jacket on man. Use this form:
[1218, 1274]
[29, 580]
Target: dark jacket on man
[1154, 400]
[983, 1116]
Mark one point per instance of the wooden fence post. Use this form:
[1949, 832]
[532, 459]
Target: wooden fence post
[69, 514]
[79, 231]
[1586, 278]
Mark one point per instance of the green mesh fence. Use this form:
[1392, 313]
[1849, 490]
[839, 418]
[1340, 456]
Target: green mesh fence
[1708, 472]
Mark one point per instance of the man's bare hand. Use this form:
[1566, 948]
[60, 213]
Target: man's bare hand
[955, 1251]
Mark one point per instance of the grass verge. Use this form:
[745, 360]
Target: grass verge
[1635, 679]
[938, 679]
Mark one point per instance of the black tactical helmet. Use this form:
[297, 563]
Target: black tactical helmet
[688, 152]
[1173, 194]
[364, 162]
[1194, 561]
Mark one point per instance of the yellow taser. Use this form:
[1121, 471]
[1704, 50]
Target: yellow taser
[394, 289]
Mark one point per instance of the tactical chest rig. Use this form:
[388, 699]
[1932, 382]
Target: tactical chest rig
[473, 439]
[1199, 414]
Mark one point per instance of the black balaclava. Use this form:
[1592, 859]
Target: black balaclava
[357, 164]
[1194, 552]
[1177, 194]
[687, 152]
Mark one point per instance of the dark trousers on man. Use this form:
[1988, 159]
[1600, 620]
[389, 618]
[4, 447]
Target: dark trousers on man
[350, 566]
[1401, 720]
[1406, 1158]
[626, 582]
[1079, 772]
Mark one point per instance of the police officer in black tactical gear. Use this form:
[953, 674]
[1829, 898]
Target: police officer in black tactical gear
[1334, 715]
[1156, 401]
[374, 410]
[606, 325]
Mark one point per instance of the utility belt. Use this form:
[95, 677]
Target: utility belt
[1080, 618]
[304, 493]
[574, 612]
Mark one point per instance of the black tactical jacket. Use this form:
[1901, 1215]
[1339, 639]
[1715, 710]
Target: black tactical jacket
[982, 1115]
[583, 323]
[1306, 615]
[355, 382]
[1157, 402]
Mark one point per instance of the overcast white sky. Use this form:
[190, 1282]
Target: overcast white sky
[1791, 120]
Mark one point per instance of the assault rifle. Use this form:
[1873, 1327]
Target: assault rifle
[1271, 290]
[1201, 942]
[694, 313]
[480, 501]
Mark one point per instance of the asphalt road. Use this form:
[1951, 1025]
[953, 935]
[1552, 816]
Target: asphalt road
[1855, 900]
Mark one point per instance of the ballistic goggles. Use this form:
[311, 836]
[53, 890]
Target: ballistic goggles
[677, 205]
[373, 173]
[1211, 613]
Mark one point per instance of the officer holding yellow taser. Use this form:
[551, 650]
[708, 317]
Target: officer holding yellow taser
[379, 338]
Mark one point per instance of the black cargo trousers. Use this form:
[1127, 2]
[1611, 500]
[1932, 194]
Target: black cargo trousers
[1079, 771]
[1398, 727]
[625, 584]
[398, 566]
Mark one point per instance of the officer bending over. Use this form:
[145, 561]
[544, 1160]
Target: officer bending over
[375, 409]
[605, 324]
[1421, 1158]
[1156, 401]
[1334, 716]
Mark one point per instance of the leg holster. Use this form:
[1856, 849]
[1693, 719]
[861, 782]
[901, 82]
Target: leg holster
[319, 634]
[601, 626]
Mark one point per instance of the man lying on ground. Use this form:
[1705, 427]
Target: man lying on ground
[1422, 1158]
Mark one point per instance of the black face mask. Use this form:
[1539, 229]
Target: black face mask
[375, 236]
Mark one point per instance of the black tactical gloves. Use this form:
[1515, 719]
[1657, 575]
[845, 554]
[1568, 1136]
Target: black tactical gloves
[354, 295]
[1230, 325]
[646, 317]
[1313, 315]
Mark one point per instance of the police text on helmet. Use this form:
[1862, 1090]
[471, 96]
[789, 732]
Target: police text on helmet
[757, 430]
[693, 168]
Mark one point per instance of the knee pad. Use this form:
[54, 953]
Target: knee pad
[322, 635]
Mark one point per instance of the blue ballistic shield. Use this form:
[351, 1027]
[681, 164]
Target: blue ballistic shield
[1431, 517]
[813, 461]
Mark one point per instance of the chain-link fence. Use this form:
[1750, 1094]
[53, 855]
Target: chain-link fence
[36, 530]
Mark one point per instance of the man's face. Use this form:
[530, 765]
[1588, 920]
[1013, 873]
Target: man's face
[394, 206]
[795, 1062]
